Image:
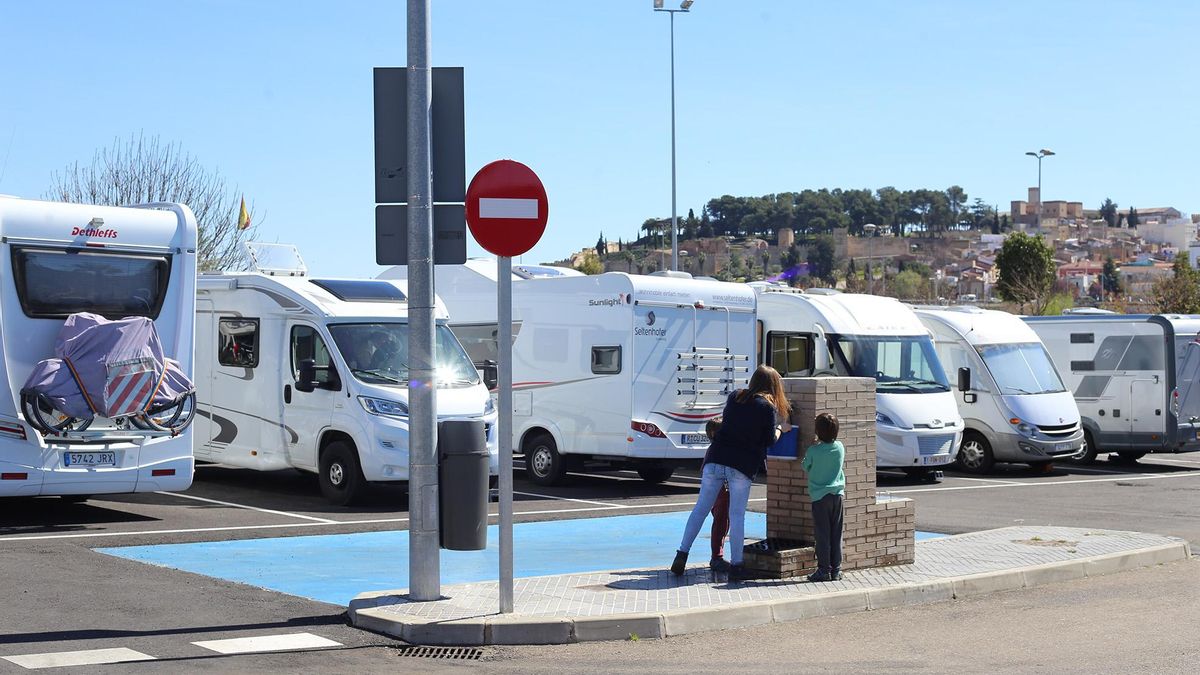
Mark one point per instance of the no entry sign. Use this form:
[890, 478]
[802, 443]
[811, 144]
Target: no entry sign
[506, 208]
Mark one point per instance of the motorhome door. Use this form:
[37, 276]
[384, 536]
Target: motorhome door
[307, 413]
[1189, 378]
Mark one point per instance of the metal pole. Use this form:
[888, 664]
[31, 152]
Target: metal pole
[674, 214]
[423, 552]
[1041, 199]
[504, 429]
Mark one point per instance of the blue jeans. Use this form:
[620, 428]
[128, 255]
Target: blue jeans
[711, 480]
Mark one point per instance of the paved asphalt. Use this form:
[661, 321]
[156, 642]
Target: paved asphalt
[62, 596]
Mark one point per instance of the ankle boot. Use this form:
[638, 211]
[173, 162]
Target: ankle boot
[679, 566]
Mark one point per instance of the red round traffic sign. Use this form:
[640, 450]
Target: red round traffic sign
[507, 208]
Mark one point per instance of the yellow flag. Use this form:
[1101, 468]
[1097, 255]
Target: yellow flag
[244, 217]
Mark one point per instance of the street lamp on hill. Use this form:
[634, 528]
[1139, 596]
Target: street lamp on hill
[1039, 155]
[684, 6]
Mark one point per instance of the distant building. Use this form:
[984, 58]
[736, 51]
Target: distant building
[1025, 213]
[1177, 232]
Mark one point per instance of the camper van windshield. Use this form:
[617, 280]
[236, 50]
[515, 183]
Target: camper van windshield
[1021, 368]
[899, 364]
[377, 353]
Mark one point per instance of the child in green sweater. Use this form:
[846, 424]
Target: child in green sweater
[826, 485]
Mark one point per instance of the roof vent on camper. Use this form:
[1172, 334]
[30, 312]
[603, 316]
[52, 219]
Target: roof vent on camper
[674, 274]
[823, 291]
[361, 290]
[275, 260]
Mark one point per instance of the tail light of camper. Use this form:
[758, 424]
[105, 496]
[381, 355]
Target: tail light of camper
[647, 428]
[1175, 401]
[12, 430]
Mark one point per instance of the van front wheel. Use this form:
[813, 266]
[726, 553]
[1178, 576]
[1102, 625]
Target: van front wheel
[543, 463]
[340, 475]
[1088, 456]
[975, 454]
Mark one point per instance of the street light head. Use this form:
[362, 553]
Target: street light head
[658, 4]
[1047, 153]
[686, 5]
[1032, 154]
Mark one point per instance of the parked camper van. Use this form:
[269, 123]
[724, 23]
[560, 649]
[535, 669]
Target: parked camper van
[295, 371]
[824, 332]
[1017, 409]
[1134, 378]
[59, 259]
[617, 368]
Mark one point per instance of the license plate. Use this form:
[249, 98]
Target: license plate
[936, 459]
[695, 439]
[1062, 447]
[89, 459]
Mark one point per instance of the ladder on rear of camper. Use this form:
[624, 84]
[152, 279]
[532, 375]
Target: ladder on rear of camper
[708, 375]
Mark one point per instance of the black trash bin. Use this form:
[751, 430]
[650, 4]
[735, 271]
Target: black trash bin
[463, 484]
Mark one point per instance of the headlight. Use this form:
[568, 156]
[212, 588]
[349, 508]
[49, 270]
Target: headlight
[384, 407]
[490, 406]
[1022, 426]
[880, 418]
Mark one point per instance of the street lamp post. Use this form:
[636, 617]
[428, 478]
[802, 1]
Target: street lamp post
[683, 7]
[869, 229]
[1039, 155]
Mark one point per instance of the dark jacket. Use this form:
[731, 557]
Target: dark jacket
[747, 430]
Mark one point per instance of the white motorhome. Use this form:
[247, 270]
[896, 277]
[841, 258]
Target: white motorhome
[824, 332]
[1017, 409]
[311, 373]
[617, 368]
[1134, 378]
[59, 259]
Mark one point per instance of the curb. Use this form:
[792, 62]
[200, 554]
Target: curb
[365, 611]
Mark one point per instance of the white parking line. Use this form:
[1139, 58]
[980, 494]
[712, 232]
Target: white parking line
[570, 499]
[987, 480]
[1186, 474]
[249, 508]
[87, 657]
[268, 643]
[371, 521]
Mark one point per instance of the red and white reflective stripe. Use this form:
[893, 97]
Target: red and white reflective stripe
[499, 207]
[126, 389]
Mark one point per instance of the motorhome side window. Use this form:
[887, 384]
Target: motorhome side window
[237, 342]
[791, 354]
[606, 360]
[307, 344]
[53, 283]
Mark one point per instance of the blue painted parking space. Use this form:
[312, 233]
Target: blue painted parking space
[335, 568]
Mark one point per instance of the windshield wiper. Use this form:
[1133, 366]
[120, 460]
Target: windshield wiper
[1022, 391]
[377, 374]
[898, 383]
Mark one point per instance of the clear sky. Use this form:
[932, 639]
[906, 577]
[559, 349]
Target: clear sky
[772, 95]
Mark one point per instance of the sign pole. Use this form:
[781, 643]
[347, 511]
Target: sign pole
[504, 428]
[423, 554]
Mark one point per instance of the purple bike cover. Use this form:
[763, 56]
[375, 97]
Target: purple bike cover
[120, 366]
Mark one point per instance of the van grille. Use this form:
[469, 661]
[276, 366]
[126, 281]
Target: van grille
[935, 445]
[1055, 430]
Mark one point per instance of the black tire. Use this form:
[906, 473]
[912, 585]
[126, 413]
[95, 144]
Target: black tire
[75, 499]
[1130, 456]
[41, 413]
[1090, 450]
[975, 454]
[174, 417]
[544, 464]
[341, 476]
[655, 474]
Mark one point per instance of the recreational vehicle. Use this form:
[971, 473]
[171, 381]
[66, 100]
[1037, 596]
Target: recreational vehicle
[1017, 409]
[824, 332]
[613, 368]
[1134, 378]
[311, 373]
[61, 259]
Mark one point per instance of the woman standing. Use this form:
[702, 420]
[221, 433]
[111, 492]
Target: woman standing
[736, 455]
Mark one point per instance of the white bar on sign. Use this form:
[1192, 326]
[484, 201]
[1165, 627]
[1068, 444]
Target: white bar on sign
[496, 207]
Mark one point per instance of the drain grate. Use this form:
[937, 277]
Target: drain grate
[453, 653]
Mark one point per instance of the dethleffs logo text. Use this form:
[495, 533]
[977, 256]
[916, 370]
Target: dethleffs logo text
[621, 299]
[94, 228]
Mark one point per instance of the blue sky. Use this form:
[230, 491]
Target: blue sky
[772, 95]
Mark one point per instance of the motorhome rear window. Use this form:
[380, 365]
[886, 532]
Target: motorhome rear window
[361, 290]
[53, 283]
[237, 342]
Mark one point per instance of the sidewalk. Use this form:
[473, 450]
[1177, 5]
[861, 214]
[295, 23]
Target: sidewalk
[651, 603]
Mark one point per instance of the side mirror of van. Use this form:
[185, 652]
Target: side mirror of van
[488, 373]
[964, 379]
[307, 381]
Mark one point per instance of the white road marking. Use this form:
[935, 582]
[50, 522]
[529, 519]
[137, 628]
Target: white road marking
[986, 480]
[500, 207]
[1185, 474]
[268, 643]
[571, 499]
[372, 521]
[247, 507]
[87, 657]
